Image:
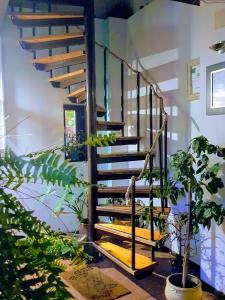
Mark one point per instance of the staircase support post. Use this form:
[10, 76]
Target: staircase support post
[133, 228]
[151, 198]
[91, 116]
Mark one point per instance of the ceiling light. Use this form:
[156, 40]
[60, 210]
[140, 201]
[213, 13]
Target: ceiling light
[218, 47]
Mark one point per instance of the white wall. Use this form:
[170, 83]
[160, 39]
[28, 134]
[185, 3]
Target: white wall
[29, 97]
[163, 37]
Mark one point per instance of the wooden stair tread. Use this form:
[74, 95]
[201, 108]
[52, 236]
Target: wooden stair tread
[59, 2]
[118, 174]
[59, 61]
[68, 79]
[125, 140]
[126, 209]
[108, 125]
[120, 171]
[142, 235]
[52, 41]
[121, 156]
[27, 19]
[122, 256]
[119, 192]
[78, 95]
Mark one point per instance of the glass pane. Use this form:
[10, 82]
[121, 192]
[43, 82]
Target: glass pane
[218, 88]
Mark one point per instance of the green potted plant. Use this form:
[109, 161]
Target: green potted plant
[77, 205]
[195, 174]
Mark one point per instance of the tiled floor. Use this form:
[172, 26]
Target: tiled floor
[152, 285]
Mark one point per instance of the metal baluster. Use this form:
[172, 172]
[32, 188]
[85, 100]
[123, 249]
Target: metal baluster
[161, 157]
[151, 204]
[50, 32]
[122, 94]
[21, 10]
[105, 84]
[138, 109]
[67, 51]
[165, 160]
[91, 116]
[133, 228]
[34, 29]
[11, 7]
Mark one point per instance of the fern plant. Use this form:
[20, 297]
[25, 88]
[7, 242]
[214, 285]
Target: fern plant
[30, 264]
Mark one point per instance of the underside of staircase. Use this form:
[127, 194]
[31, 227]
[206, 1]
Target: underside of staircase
[112, 223]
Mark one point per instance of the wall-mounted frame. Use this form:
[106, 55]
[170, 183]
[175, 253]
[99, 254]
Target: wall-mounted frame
[75, 131]
[193, 79]
[215, 82]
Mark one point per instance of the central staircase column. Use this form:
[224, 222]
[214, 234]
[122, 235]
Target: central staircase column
[91, 115]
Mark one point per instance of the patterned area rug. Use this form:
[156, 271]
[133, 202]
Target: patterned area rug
[93, 284]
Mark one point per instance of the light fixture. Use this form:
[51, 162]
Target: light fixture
[218, 47]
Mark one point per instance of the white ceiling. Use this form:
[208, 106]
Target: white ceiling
[103, 8]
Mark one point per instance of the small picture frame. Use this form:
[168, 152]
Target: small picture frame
[193, 79]
[215, 82]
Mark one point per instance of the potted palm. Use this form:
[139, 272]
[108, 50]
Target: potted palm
[195, 174]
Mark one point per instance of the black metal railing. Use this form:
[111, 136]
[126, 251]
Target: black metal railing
[155, 142]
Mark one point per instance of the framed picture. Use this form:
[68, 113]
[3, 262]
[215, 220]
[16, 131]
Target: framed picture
[75, 132]
[193, 82]
[215, 82]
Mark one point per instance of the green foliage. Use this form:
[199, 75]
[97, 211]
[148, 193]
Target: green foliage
[30, 252]
[28, 270]
[196, 166]
[77, 205]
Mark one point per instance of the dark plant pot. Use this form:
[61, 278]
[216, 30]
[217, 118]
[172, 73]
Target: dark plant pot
[176, 264]
[91, 251]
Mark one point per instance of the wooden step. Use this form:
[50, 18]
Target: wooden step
[58, 2]
[27, 19]
[58, 61]
[66, 80]
[121, 156]
[142, 235]
[78, 96]
[100, 111]
[117, 174]
[125, 210]
[126, 140]
[52, 41]
[105, 125]
[122, 257]
[119, 192]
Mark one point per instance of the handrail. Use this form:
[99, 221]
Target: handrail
[159, 132]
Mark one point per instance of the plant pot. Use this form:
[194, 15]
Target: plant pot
[176, 264]
[83, 230]
[174, 291]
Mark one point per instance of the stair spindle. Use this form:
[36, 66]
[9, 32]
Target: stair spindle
[161, 157]
[11, 7]
[151, 196]
[50, 32]
[105, 84]
[138, 109]
[165, 160]
[122, 94]
[68, 51]
[21, 10]
[34, 10]
[133, 228]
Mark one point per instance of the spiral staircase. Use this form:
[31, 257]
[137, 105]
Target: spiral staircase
[113, 226]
